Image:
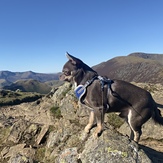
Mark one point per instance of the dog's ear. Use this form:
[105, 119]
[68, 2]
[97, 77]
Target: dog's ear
[73, 59]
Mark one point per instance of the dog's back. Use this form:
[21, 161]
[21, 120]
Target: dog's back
[123, 94]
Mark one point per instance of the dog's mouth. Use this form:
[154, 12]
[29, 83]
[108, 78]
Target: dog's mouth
[65, 77]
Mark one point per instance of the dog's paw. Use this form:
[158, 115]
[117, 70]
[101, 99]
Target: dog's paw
[97, 134]
[87, 129]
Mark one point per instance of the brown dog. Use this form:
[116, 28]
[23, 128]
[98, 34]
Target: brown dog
[134, 104]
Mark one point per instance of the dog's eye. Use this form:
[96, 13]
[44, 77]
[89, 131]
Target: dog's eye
[66, 73]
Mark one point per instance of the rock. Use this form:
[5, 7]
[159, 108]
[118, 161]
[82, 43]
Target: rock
[42, 134]
[20, 159]
[29, 133]
[53, 139]
[61, 93]
[149, 130]
[69, 105]
[65, 133]
[17, 129]
[68, 155]
[32, 129]
[11, 151]
[112, 147]
[6, 121]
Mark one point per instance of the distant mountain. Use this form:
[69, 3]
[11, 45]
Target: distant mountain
[136, 67]
[8, 77]
[14, 76]
[29, 86]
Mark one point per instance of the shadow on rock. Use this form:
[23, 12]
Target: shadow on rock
[154, 155]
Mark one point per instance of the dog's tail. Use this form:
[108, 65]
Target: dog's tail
[157, 116]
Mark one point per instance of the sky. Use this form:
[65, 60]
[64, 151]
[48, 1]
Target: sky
[35, 34]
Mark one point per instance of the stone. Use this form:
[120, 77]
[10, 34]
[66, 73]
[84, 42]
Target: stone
[42, 134]
[112, 147]
[11, 151]
[17, 129]
[20, 159]
[149, 130]
[68, 155]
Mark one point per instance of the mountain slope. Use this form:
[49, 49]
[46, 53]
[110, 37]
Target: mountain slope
[29, 86]
[4, 82]
[132, 69]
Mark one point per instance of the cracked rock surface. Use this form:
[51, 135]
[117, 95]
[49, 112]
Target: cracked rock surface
[52, 131]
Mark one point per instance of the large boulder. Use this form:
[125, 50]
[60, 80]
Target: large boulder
[110, 147]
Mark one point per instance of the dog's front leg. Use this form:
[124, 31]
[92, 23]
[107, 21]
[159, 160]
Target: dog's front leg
[91, 121]
[99, 114]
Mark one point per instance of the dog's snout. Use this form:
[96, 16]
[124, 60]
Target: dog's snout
[61, 77]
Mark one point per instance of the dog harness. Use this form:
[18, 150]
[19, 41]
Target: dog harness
[80, 90]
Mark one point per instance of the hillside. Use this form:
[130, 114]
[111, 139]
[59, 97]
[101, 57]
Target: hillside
[4, 82]
[29, 86]
[133, 68]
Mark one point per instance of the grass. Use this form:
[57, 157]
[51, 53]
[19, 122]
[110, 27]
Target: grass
[115, 120]
[66, 91]
[56, 112]
[40, 154]
[4, 132]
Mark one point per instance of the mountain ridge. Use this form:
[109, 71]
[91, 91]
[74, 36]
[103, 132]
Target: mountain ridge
[29, 85]
[152, 56]
[14, 76]
[133, 68]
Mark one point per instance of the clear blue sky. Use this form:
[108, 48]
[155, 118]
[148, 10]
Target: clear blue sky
[35, 34]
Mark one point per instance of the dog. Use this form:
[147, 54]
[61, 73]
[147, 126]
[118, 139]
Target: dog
[102, 95]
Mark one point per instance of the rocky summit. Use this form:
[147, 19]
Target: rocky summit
[50, 130]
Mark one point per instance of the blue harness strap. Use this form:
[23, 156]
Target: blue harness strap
[80, 90]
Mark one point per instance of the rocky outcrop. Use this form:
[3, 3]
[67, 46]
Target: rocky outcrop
[51, 130]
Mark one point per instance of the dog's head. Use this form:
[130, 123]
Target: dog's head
[70, 68]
